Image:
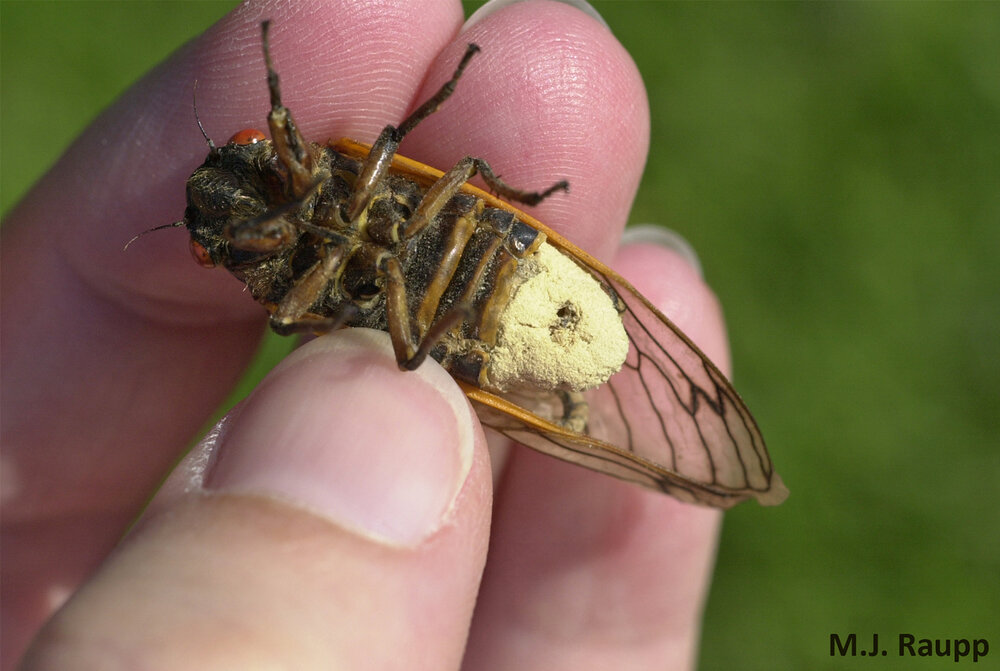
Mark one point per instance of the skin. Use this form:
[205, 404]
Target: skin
[347, 516]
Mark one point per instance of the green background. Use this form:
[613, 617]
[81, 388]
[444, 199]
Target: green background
[837, 167]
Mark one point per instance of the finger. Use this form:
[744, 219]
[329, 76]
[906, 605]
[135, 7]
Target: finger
[113, 360]
[341, 523]
[587, 572]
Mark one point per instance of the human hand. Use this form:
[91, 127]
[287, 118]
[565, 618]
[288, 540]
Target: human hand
[312, 530]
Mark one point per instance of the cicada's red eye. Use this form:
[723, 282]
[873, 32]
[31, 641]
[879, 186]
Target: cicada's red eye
[247, 136]
[201, 255]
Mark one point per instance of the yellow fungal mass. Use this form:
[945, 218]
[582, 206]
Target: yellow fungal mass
[560, 329]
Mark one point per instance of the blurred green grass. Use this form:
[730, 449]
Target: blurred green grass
[837, 167]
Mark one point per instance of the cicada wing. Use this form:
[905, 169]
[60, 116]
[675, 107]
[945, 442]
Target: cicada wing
[522, 426]
[669, 404]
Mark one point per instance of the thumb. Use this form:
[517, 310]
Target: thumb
[338, 518]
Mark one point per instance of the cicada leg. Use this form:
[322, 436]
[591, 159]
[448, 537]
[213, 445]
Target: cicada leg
[576, 412]
[294, 153]
[451, 183]
[380, 156]
[272, 231]
[412, 345]
[380, 159]
[411, 349]
[291, 315]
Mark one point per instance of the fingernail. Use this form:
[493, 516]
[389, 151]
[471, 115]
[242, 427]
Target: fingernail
[337, 429]
[651, 234]
[494, 5]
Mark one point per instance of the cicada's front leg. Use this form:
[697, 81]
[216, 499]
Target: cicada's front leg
[296, 156]
[273, 231]
[292, 314]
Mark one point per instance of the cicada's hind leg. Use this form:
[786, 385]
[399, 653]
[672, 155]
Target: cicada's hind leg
[576, 412]
[413, 339]
[411, 348]
[295, 154]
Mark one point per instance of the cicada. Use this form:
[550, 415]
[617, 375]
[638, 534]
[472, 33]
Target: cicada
[346, 234]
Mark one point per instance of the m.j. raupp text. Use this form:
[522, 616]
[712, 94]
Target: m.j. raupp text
[908, 645]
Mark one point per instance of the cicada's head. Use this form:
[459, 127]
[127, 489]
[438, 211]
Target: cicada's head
[229, 197]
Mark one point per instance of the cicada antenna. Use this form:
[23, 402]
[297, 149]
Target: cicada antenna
[154, 228]
[194, 104]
